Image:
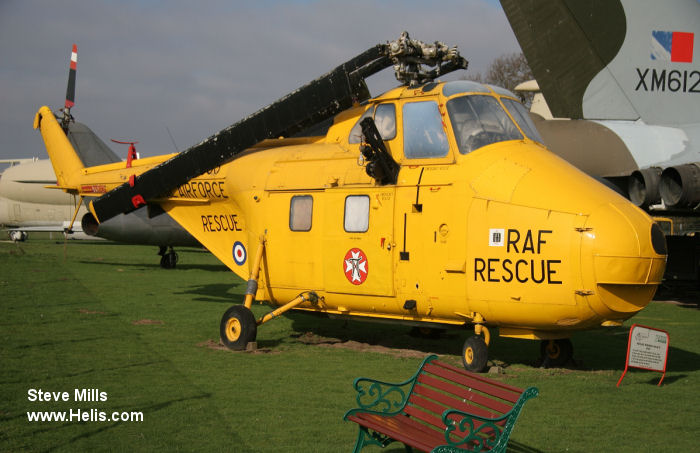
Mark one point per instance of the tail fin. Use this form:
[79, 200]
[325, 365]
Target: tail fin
[612, 59]
[66, 163]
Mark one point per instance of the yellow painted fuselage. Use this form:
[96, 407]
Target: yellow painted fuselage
[505, 234]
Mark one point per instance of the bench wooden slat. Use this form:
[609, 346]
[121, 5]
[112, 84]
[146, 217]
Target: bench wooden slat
[476, 384]
[418, 404]
[476, 376]
[400, 428]
[430, 430]
[417, 400]
[424, 416]
[452, 403]
[467, 396]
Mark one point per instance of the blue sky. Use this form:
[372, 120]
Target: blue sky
[197, 67]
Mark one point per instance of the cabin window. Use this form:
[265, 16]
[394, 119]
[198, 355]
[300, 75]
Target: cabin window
[478, 121]
[300, 212]
[384, 119]
[522, 117]
[423, 134]
[357, 213]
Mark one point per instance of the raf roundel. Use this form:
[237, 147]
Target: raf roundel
[239, 253]
[356, 266]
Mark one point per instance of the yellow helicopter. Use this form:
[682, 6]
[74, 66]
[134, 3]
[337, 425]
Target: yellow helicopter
[434, 204]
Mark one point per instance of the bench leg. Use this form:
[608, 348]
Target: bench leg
[361, 436]
[365, 437]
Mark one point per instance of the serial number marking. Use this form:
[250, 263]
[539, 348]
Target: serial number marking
[93, 188]
[673, 81]
[223, 222]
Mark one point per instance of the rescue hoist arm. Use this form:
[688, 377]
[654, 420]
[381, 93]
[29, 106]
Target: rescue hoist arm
[380, 165]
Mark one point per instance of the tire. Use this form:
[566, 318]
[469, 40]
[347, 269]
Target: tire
[556, 353]
[238, 327]
[169, 260]
[18, 236]
[475, 354]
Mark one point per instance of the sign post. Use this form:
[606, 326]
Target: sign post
[647, 348]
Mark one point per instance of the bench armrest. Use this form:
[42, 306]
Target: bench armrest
[381, 397]
[491, 434]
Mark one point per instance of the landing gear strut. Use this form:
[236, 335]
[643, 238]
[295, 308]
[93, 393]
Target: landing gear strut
[238, 325]
[168, 258]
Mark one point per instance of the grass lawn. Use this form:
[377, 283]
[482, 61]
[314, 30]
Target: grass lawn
[101, 316]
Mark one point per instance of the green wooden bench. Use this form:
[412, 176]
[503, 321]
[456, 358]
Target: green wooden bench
[441, 408]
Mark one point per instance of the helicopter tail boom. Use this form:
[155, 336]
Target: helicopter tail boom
[66, 163]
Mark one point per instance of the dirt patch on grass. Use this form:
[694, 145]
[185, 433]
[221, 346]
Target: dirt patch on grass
[85, 311]
[147, 322]
[211, 344]
[313, 339]
[218, 346]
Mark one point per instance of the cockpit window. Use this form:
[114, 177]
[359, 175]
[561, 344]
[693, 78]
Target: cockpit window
[523, 119]
[356, 131]
[423, 134]
[462, 86]
[478, 121]
[384, 119]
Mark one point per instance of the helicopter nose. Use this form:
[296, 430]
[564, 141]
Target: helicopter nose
[623, 256]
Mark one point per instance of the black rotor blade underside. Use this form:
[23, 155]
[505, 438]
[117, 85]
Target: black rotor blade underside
[316, 101]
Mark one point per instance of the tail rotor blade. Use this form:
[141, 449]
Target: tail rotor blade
[70, 91]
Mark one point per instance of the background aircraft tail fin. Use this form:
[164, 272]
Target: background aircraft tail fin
[566, 45]
[612, 59]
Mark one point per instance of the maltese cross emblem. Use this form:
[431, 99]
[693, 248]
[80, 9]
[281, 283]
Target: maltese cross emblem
[356, 266]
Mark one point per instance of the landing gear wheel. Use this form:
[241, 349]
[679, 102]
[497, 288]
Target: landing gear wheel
[168, 259]
[556, 353]
[238, 327]
[475, 354]
[18, 236]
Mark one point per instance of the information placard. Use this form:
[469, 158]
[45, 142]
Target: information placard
[647, 348]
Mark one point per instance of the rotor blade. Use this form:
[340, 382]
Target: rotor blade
[70, 91]
[314, 102]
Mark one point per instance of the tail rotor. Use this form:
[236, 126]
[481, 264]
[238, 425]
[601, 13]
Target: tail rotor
[70, 90]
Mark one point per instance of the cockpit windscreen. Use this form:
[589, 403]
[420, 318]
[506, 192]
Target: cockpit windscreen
[478, 121]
